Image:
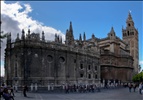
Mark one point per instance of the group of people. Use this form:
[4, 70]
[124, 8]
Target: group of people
[7, 93]
[81, 88]
[134, 86]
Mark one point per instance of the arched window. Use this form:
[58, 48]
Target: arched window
[81, 66]
[128, 33]
[95, 76]
[129, 24]
[81, 75]
[96, 68]
[62, 59]
[89, 67]
[89, 76]
[49, 58]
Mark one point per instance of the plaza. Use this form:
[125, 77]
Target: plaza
[105, 94]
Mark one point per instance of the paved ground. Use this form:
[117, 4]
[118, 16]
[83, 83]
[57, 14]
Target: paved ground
[112, 94]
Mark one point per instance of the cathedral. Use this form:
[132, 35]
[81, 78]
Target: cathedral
[33, 59]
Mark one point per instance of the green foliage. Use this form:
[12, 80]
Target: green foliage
[138, 77]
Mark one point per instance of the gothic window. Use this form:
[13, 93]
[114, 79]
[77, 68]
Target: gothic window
[74, 60]
[89, 67]
[49, 58]
[129, 24]
[96, 68]
[89, 76]
[95, 76]
[81, 66]
[128, 33]
[62, 59]
[81, 75]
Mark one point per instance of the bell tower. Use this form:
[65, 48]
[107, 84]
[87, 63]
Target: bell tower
[130, 36]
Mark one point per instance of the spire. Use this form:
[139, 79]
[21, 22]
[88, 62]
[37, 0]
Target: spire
[112, 33]
[9, 37]
[112, 30]
[93, 36]
[23, 34]
[129, 21]
[61, 39]
[43, 36]
[17, 39]
[84, 37]
[80, 38]
[70, 28]
[28, 31]
[55, 37]
[28, 36]
[69, 35]
[129, 17]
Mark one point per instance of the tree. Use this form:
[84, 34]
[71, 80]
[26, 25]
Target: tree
[138, 77]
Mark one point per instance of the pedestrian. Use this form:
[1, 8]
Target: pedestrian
[134, 87]
[130, 87]
[140, 88]
[11, 91]
[25, 88]
[6, 95]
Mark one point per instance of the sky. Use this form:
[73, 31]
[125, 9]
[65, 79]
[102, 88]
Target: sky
[91, 17]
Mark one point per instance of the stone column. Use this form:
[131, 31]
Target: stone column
[35, 86]
[31, 86]
[114, 83]
[16, 89]
[52, 87]
[48, 87]
[103, 83]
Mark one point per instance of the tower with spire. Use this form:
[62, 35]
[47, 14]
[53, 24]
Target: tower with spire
[112, 34]
[130, 36]
[69, 36]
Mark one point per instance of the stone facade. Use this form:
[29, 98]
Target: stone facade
[31, 59]
[116, 62]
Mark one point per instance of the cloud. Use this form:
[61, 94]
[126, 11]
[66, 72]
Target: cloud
[18, 12]
[141, 62]
[14, 17]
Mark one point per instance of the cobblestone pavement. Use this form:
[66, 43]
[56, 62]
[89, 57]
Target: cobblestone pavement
[105, 94]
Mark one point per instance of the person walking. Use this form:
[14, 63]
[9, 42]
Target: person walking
[134, 87]
[140, 88]
[25, 88]
[130, 87]
[11, 91]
